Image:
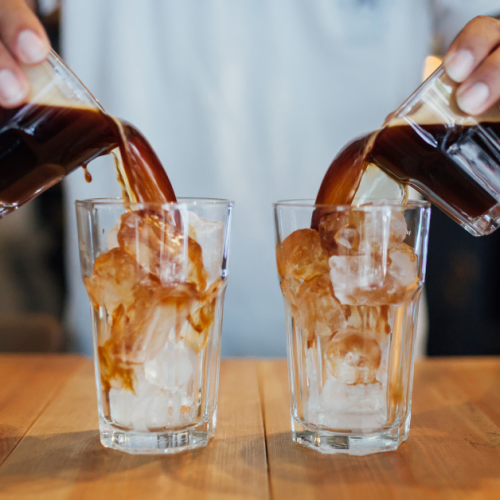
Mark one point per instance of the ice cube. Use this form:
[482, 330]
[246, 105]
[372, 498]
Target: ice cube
[347, 237]
[376, 321]
[345, 406]
[113, 236]
[353, 358]
[301, 256]
[197, 328]
[172, 367]
[350, 233]
[362, 231]
[150, 406]
[403, 266]
[398, 227]
[159, 245]
[153, 324]
[319, 312]
[157, 412]
[358, 280]
[209, 234]
[375, 279]
[149, 238]
[142, 329]
[114, 276]
[382, 227]
[338, 405]
[335, 232]
[128, 408]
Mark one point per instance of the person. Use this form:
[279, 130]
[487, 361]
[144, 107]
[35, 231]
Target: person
[249, 101]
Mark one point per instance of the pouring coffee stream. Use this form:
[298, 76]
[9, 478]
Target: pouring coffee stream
[452, 158]
[63, 127]
[428, 143]
[40, 144]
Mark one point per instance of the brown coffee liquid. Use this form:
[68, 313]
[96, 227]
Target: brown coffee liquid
[40, 144]
[420, 159]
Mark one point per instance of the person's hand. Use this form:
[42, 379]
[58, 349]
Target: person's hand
[473, 60]
[22, 40]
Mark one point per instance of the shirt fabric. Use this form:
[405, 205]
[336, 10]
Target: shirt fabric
[246, 100]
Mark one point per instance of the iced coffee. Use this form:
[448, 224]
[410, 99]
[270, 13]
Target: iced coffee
[156, 276]
[351, 289]
[155, 268]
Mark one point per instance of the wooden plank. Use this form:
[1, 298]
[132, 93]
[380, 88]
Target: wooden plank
[27, 384]
[61, 457]
[453, 450]
[479, 379]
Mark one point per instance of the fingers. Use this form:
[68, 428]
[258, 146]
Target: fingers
[482, 89]
[474, 60]
[14, 86]
[472, 45]
[22, 40]
[22, 33]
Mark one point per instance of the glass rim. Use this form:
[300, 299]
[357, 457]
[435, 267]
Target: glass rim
[182, 200]
[384, 203]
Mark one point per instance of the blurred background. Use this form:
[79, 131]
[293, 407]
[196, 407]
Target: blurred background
[247, 101]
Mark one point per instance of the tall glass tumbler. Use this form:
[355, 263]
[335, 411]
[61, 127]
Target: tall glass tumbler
[156, 276]
[351, 291]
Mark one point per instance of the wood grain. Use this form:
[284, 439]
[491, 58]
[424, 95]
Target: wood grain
[61, 456]
[453, 450]
[51, 449]
[27, 384]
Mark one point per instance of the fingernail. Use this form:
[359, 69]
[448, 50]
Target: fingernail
[472, 99]
[459, 65]
[32, 49]
[11, 90]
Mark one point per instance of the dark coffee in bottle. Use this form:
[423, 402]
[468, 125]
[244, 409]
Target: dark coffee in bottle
[427, 157]
[41, 143]
[428, 143]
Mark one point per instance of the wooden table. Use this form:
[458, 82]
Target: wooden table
[49, 443]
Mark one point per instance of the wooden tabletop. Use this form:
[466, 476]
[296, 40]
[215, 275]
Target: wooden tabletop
[49, 442]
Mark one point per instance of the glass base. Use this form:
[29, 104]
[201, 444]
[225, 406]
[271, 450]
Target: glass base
[156, 443]
[330, 442]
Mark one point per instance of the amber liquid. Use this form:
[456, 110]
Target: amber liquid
[417, 159]
[40, 144]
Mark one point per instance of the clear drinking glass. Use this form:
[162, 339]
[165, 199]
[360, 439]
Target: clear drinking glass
[156, 276]
[351, 291]
[450, 157]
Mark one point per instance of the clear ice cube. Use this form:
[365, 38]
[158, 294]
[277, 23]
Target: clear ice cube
[159, 245]
[209, 234]
[353, 358]
[172, 368]
[319, 312]
[301, 256]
